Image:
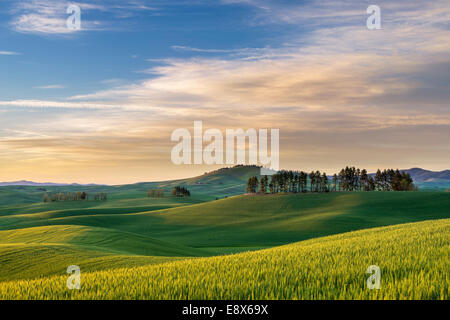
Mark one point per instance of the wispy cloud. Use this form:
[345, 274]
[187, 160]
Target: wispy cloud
[8, 53]
[346, 69]
[50, 16]
[389, 74]
[51, 86]
[55, 104]
[185, 48]
[344, 12]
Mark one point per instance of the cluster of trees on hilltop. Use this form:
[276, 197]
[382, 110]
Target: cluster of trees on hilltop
[73, 196]
[155, 193]
[348, 179]
[180, 192]
[233, 167]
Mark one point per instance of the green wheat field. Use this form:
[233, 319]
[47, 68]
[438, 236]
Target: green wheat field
[284, 246]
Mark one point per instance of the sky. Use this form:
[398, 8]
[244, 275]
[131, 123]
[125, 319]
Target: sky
[99, 104]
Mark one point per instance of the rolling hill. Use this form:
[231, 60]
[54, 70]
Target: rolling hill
[100, 239]
[243, 222]
[413, 259]
[430, 180]
[130, 237]
[36, 252]
[422, 175]
[41, 184]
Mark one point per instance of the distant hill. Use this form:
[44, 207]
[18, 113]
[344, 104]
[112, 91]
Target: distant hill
[422, 175]
[239, 173]
[220, 183]
[430, 180]
[41, 184]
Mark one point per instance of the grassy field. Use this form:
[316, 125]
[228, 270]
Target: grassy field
[39, 240]
[240, 221]
[413, 259]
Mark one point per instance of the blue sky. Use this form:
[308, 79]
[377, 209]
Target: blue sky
[99, 104]
[118, 50]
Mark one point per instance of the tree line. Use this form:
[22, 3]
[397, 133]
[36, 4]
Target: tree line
[348, 179]
[155, 193]
[73, 196]
[180, 192]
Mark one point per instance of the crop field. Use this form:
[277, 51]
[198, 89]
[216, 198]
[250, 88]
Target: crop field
[413, 259]
[284, 246]
[239, 221]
